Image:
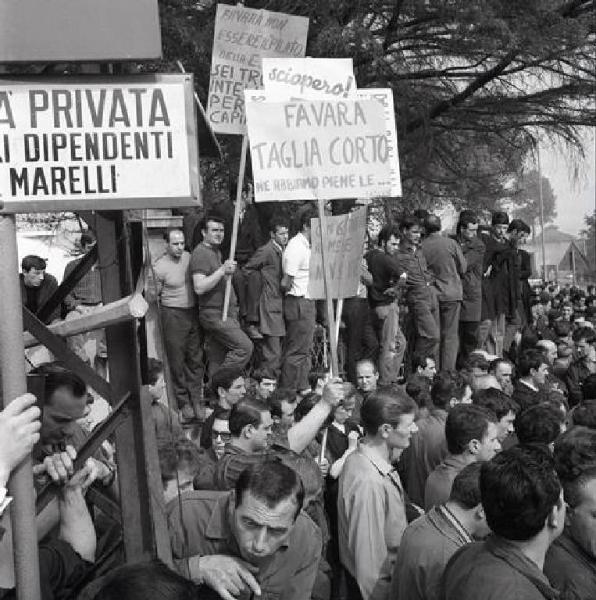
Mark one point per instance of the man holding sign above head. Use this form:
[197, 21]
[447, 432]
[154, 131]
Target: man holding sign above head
[229, 346]
[299, 309]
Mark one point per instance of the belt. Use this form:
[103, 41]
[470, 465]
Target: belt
[91, 303]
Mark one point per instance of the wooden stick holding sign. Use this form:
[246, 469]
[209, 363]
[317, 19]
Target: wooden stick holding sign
[328, 297]
[236, 223]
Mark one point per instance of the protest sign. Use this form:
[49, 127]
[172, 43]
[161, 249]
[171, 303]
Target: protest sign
[310, 149]
[309, 77]
[344, 245]
[98, 143]
[242, 37]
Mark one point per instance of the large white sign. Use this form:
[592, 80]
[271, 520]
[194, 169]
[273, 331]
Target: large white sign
[98, 143]
[242, 37]
[309, 77]
[309, 149]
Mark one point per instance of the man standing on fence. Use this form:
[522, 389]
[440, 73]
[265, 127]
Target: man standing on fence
[446, 262]
[299, 309]
[229, 346]
[180, 323]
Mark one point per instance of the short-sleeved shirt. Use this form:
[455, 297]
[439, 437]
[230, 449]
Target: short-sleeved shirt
[296, 262]
[175, 282]
[206, 260]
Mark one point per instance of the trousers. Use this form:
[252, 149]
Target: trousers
[392, 343]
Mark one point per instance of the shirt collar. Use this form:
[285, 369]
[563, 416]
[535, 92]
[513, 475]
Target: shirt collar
[384, 467]
[277, 247]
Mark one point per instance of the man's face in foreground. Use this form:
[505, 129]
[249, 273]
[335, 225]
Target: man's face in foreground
[261, 530]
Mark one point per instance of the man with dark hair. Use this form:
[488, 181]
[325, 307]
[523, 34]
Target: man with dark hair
[282, 404]
[532, 370]
[220, 438]
[520, 271]
[229, 346]
[180, 323]
[429, 542]
[228, 387]
[254, 541]
[429, 447]
[423, 364]
[570, 562]
[299, 309]
[383, 300]
[266, 383]
[264, 298]
[496, 285]
[584, 365]
[471, 308]
[501, 405]
[65, 402]
[166, 421]
[37, 286]
[421, 294]
[446, 262]
[524, 508]
[472, 436]
[584, 414]
[540, 424]
[371, 502]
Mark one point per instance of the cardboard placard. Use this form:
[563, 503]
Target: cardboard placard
[242, 37]
[310, 149]
[309, 77]
[98, 143]
[344, 242]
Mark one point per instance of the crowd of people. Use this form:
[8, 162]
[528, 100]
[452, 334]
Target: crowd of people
[456, 459]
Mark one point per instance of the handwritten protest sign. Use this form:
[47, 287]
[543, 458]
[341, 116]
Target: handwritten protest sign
[98, 143]
[344, 243]
[309, 77]
[243, 36]
[310, 149]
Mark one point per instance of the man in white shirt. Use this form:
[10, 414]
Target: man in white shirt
[299, 309]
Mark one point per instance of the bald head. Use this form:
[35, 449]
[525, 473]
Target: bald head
[548, 349]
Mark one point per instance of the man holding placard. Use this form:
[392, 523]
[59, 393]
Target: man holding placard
[229, 347]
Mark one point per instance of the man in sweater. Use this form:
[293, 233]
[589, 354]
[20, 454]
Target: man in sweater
[180, 323]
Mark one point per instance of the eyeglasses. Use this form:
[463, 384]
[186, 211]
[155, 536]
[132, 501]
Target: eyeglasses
[225, 436]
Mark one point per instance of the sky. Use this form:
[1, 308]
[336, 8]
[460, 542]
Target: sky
[576, 196]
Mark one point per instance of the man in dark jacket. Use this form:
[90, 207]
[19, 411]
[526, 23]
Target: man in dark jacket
[584, 365]
[524, 509]
[446, 262]
[471, 308]
[264, 296]
[37, 286]
[496, 286]
[570, 562]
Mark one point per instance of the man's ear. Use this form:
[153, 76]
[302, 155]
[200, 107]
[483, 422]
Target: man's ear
[384, 430]
[554, 515]
[453, 402]
[474, 446]
[479, 514]
[247, 431]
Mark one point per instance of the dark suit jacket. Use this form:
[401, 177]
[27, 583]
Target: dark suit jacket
[267, 261]
[46, 290]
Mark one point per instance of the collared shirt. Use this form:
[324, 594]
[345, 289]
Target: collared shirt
[174, 281]
[411, 260]
[87, 290]
[446, 262]
[570, 569]
[426, 547]
[295, 262]
[199, 525]
[371, 520]
[439, 482]
[494, 570]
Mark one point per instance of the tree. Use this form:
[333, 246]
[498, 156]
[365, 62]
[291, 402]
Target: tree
[475, 81]
[525, 197]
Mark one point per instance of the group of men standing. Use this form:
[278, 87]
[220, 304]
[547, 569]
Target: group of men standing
[462, 292]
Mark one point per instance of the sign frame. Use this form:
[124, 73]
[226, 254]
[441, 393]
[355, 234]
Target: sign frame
[11, 206]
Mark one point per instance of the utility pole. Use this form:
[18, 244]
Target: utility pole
[541, 201]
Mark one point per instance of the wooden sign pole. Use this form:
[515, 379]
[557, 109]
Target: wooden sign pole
[12, 369]
[236, 223]
[328, 298]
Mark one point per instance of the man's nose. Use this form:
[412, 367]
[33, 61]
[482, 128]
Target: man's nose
[260, 541]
